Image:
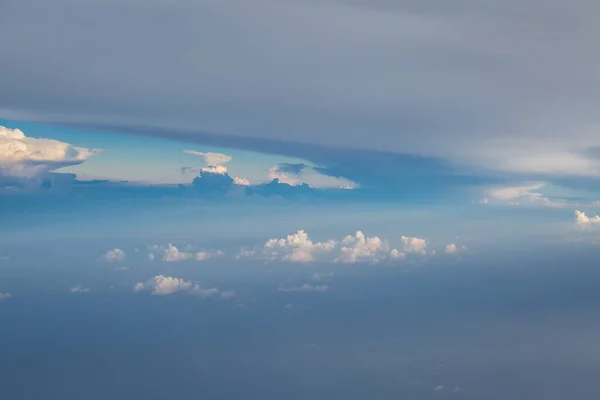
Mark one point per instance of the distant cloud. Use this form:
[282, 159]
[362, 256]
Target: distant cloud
[114, 255]
[453, 248]
[527, 194]
[27, 157]
[210, 158]
[305, 288]
[122, 268]
[297, 247]
[584, 221]
[166, 285]
[173, 254]
[205, 255]
[79, 289]
[5, 296]
[241, 181]
[439, 388]
[357, 248]
[227, 295]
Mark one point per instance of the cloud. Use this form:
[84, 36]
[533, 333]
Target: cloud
[521, 195]
[26, 157]
[241, 181]
[114, 255]
[122, 268]
[79, 289]
[165, 285]
[283, 176]
[151, 257]
[205, 255]
[173, 254]
[414, 244]
[360, 248]
[215, 169]
[5, 296]
[453, 248]
[305, 288]
[297, 247]
[584, 221]
[210, 158]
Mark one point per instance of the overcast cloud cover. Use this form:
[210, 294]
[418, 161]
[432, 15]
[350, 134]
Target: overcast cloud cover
[299, 199]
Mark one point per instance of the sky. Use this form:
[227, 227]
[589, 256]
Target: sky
[299, 199]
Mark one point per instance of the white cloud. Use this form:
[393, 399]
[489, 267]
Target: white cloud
[5, 296]
[453, 248]
[79, 289]
[297, 247]
[205, 255]
[173, 254]
[166, 285]
[414, 244]
[584, 221]
[319, 276]
[397, 255]
[439, 388]
[241, 181]
[276, 173]
[114, 255]
[210, 158]
[520, 195]
[305, 288]
[215, 169]
[27, 157]
[151, 257]
[360, 248]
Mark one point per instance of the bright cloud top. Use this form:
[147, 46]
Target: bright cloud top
[165, 285]
[520, 195]
[27, 157]
[584, 221]
[210, 158]
[356, 248]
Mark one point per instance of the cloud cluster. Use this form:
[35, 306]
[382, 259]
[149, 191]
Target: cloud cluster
[172, 253]
[165, 285]
[583, 221]
[26, 157]
[352, 249]
[452, 248]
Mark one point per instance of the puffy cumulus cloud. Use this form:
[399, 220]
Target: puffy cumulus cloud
[205, 255]
[79, 289]
[215, 169]
[305, 288]
[527, 194]
[173, 254]
[210, 158]
[26, 157]
[5, 296]
[453, 248]
[165, 285]
[114, 255]
[359, 248]
[583, 221]
[414, 244]
[297, 247]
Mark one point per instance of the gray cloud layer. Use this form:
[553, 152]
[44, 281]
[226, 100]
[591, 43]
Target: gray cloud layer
[507, 84]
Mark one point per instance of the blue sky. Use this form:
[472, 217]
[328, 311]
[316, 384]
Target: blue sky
[299, 199]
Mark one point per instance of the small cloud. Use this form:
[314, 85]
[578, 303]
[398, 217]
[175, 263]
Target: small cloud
[114, 255]
[395, 254]
[414, 244]
[245, 253]
[439, 388]
[205, 255]
[241, 181]
[165, 285]
[360, 248]
[305, 288]
[122, 268]
[210, 158]
[5, 296]
[521, 195]
[453, 248]
[288, 306]
[583, 221]
[297, 247]
[151, 257]
[79, 289]
[173, 254]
